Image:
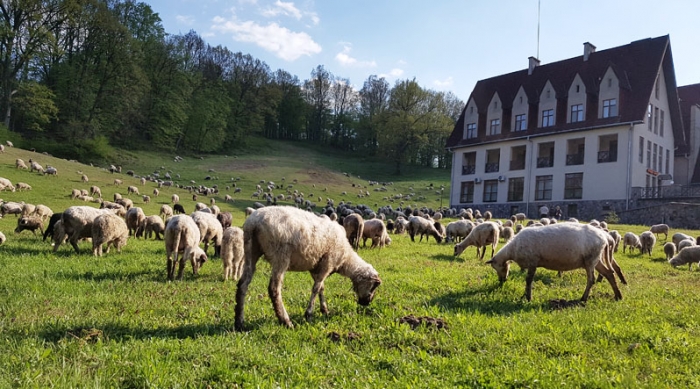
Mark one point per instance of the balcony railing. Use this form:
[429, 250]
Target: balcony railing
[545, 162]
[574, 159]
[671, 191]
[468, 169]
[517, 164]
[607, 156]
[492, 167]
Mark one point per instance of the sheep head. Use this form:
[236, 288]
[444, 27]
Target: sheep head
[459, 249]
[502, 268]
[365, 285]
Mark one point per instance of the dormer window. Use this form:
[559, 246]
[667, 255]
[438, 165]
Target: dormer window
[548, 118]
[521, 99]
[495, 127]
[609, 108]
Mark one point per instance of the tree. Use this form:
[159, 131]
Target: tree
[374, 101]
[343, 109]
[318, 96]
[35, 104]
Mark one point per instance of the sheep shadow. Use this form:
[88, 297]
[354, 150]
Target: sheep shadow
[119, 332]
[446, 258]
[659, 259]
[116, 275]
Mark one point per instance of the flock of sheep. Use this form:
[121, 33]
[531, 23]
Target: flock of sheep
[326, 242]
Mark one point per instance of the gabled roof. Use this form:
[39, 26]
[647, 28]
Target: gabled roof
[636, 66]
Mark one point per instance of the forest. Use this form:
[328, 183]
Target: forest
[79, 78]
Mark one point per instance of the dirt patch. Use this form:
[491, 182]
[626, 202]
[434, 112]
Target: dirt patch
[336, 337]
[232, 165]
[430, 322]
[558, 304]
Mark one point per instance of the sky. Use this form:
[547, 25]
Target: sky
[445, 45]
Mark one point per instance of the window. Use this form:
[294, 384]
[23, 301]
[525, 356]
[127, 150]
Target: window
[641, 149]
[516, 187]
[656, 120]
[575, 151]
[607, 148]
[517, 158]
[609, 108]
[578, 88]
[648, 154]
[668, 159]
[520, 122]
[548, 118]
[545, 155]
[495, 127]
[495, 105]
[573, 186]
[493, 158]
[653, 161]
[490, 191]
[466, 194]
[469, 163]
[576, 113]
[661, 124]
[521, 99]
[649, 112]
[471, 131]
[543, 187]
[661, 158]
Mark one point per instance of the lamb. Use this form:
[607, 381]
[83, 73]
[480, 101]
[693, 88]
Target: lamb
[153, 225]
[95, 191]
[678, 237]
[178, 209]
[648, 240]
[632, 240]
[482, 235]
[210, 230]
[182, 236]
[132, 190]
[225, 218]
[422, 226]
[166, 211]
[232, 253]
[77, 224]
[23, 186]
[108, 229]
[296, 240]
[689, 255]
[375, 230]
[562, 247]
[31, 223]
[354, 226]
[660, 229]
[6, 184]
[135, 217]
[56, 217]
[669, 250]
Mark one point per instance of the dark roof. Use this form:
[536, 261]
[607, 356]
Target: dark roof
[635, 65]
[689, 96]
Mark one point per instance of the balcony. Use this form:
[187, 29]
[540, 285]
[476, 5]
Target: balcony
[492, 167]
[468, 169]
[607, 156]
[574, 159]
[517, 164]
[545, 162]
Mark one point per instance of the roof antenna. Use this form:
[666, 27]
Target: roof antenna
[538, 29]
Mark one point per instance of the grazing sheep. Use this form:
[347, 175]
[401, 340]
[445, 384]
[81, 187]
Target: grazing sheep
[295, 240]
[375, 230]
[249, 211]
[228, 198]
[482, 235]
[153, 225]
[118, 182]
[182, 236]
[354, 226]
[166, 211]
[146, 198]
[156, 192]
[178, 209]
[562, 247]
[401, 225]
[31, 223]
[422, 226]
[134, 221]
[660, 229]
[617, 238]
[20, 164]
[199, 207]
[117, 196]
[689, 255]
[9, 143]
[685, 243]
[669, 250]
[507, 234]
[108, 229]
[678, 237]
[95, 191]
[175, 199]
[520, 217]
[232, 253]
[126, 203]
[84, 178]
[28, 209]
[647, 240]
[210, 230]
[35, 166]
[132, 190]
[10, 208]
[50, 170]
[23, 186]
[56, 217]
[631, 240]
[77, 222]
[225, 218]
[6, 184]
[440, 229]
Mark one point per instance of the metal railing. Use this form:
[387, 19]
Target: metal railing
[607, 156]
[468, 169]
[517, 165]
[574, 159]
[492, 167]
[545, 162]
[661, 192]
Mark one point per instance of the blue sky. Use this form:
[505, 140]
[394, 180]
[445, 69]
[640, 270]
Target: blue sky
[446, 45]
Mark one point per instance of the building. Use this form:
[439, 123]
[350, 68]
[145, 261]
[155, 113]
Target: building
[578, 133]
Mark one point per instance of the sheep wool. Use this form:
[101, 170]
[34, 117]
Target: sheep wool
[108, 229]
[182, 236]
[232, 253]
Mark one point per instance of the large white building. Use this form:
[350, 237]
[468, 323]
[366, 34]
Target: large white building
[578, 133]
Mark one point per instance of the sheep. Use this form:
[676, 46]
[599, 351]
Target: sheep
[232, 253]
[95, 191]
[520, 217]
[632, 240]
[507, 234]
[28, 209]
[118, 182]
[31, 223]
[175, 199]
[23, 186]
[56, 217]
[660, 229]
[678, 237]
[3, 239]
[481, 236]
[108, 229]
[249, 211]
[210, 230]
[685, 243]
[132, 190]
[9, 143]
[182, 236]
[354, 226]
[617, 238]
[199, 207]
[225, 218]
[689, 255]
[126, 203]
[295, 240]
[134, 221]
[647, 240]
[422, 226]
[178, 209]
[669, 250]
[166, 211]
[6, 184]
[146, 198]
[84, 178]
[228, 198]
[375, 230]
[35, 166]
[77, 224]
[20, 164]
[10, 208]
[153, 225]
[440, 228]
[562, 247]
[117, 197]
[156, 192]
[458, 230]
[50, 170]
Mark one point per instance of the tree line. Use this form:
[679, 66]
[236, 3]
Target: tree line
[99, 73]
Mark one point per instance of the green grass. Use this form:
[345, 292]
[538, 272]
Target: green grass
[73, 320]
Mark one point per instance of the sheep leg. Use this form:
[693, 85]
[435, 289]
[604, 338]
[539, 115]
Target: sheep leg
[252, 254]
[274, 289]
[316, 290]
[528, 282]
[610, 276]
[590, 280]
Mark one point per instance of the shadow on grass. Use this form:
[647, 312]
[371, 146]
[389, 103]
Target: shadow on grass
[446, 258]
[659, 259]
[117, 275]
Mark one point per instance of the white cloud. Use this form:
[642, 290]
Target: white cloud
[345, 59]
[444, 83]
[284, 43]
[283, 8]
[393, 73]
[314, 17]
[248, 1]
[185, 19]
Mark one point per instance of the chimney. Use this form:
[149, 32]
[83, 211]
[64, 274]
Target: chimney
[588, 49]
[533, 63]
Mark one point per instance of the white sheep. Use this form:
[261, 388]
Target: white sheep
[647, 240]
[630, 240]
[10, 208]
[562, 247]
[249, 211]
[108, 229]
[689, 255]
[685, 243]
[182, 236]
[660, 229]
[295, 240]
[23, 186]
[458, 230]
[84, 178]
[132, 190]
[95, 191]
[146, 198]
[175, 199]
[166, 211]
[3, 239]
[678, 237]
[354, 226]
[43, 211]
[50, 170]
[77, 222]
[669, 250]
[617, 238]
[482, 235]
[424, 227]
[20, 164]
[35, 166]
[210, 230]
[153, 225]
[6, 184]
[375, 230]
[507, 234]
[135, 217]
[232, 253]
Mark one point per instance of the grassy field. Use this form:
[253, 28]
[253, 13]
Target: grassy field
[73, 320]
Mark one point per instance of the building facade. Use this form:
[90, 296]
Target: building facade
[578, 133]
